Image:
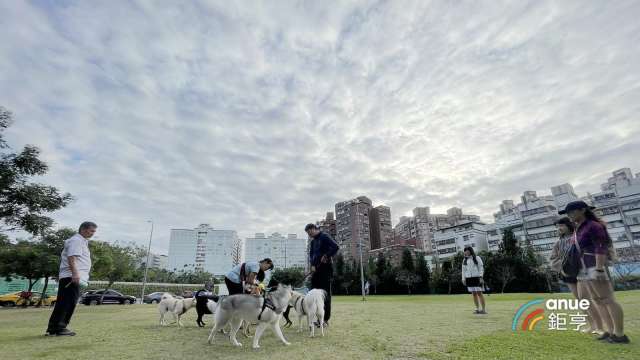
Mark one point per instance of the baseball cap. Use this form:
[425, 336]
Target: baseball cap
[575, 205]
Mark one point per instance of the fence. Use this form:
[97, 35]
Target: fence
[18, 284]
[135, 288]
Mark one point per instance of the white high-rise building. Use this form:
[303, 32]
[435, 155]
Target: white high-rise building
[563, 194]
[454, 239]
[286, 252]
[618, 204]
[203, 248]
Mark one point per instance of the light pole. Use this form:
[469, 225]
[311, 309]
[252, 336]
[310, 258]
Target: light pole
[361, 271]
[146, 265]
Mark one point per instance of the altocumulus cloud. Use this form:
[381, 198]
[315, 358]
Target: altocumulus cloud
[260, 117]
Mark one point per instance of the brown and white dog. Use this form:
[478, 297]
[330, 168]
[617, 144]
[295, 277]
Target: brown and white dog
[177, 307]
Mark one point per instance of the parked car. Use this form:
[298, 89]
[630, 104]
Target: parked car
[94, 297]
[152, 298]
[22, 298]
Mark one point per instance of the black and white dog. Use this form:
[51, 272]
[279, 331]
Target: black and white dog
[206, 303]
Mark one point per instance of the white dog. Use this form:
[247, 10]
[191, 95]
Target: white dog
[311, 305]
[266, 312]
[177, 307]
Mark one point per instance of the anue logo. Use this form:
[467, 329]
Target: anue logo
[559, 314]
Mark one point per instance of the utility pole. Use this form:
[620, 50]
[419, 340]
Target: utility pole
[146, 265]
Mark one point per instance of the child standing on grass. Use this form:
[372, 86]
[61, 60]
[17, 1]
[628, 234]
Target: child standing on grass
[472, 273]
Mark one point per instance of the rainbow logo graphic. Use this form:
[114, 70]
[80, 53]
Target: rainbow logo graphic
[530, 320]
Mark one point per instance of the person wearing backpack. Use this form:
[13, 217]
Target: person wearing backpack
[565, 260]
[472, 278]
[595, 246]
[560, 252]
[246, 276]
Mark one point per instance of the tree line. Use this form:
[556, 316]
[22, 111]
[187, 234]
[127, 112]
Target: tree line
[25, 205]
[414, 276]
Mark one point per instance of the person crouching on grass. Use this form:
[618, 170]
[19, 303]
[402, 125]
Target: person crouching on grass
[596, 249]
[472, 272]
[245, 277]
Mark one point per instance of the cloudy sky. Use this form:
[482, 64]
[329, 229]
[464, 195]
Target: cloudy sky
[260, 116]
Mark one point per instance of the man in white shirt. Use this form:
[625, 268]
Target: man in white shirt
[75, 265]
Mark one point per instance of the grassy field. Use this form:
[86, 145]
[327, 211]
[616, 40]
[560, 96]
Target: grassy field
[384, 327]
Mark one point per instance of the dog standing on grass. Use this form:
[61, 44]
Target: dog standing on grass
[311, 305]
[177, 307]
[265, 311]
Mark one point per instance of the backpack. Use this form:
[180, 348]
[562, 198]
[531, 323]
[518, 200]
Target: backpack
[572, 261]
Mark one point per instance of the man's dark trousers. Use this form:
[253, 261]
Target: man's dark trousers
[321, 279]
[65, 305]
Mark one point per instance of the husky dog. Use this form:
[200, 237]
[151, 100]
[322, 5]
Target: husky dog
[177, 307]
[265, 311]
[311, 305]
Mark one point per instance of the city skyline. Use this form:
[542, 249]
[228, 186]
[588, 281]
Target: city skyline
[262, 118]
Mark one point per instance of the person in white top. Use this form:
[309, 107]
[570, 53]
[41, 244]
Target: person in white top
[472, 278]
[75, 265]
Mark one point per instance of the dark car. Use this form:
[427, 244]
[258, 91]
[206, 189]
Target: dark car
[153, 298]
[94, 297]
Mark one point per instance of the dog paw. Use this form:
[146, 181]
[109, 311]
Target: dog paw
[256, 347]
[286, 343]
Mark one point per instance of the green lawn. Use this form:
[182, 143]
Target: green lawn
[384, 327]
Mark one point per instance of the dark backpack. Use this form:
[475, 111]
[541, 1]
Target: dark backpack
[572, 261]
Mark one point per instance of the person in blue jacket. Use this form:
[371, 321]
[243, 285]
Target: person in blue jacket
[321, 251]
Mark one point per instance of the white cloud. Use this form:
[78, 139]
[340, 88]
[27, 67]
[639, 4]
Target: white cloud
[259, 118]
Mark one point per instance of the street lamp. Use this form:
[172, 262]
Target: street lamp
[361, 271]
[146, 265]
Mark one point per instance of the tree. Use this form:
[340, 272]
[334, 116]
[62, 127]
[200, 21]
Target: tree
[22, 259]
[454, 277]
[111, 262]
[408, 279]
[339, 273]
[23, 204]
[290, 276]
[422, 271]
[4, 241]
[347, 279]
[194, 275]
[407, 261]
[503, 268]
[509, 244]
[373, 274]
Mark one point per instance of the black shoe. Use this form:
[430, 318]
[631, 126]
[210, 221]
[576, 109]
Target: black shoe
[65, 332]
[50, 333]
[604, 336]
[618, 339]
